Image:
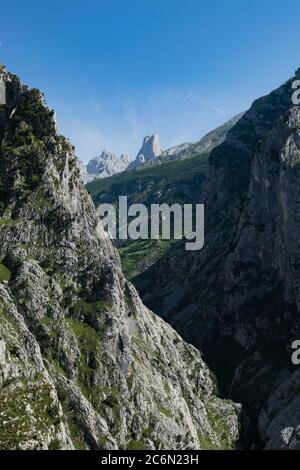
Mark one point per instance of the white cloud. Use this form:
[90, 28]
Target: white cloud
[218, 110]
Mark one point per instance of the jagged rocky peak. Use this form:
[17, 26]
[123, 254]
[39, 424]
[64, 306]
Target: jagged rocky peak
[96, 164]
[150, 150]
[104, 165]
[151, 147]
[83, 364]
[10, 87]
[125, 158]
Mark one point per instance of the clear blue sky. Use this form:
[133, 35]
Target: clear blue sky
[116, 70]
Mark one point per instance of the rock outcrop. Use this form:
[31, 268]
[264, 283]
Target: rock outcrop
[238, 299]
[149, 151]
[2, 89]
[83, 364]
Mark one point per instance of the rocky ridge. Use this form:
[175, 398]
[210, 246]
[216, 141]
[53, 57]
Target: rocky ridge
[104, 165]
[205, 145]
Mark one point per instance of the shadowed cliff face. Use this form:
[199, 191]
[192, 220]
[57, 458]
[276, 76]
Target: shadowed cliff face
[238, 299]
[83, 364]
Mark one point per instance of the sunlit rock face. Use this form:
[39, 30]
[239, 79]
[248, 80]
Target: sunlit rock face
[150, 150]
[2, 91]
[104, 165]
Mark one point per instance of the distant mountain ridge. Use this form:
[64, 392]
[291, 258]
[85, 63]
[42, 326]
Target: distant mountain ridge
[184, 150]
[104, 165]
[205, 144]
[108, 164]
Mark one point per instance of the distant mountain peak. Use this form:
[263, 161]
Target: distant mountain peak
[149, 150]
[151, 147]
[104, 165]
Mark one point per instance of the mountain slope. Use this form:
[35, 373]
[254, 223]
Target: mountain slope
[205, 145]
[83, 364]
[238, 298]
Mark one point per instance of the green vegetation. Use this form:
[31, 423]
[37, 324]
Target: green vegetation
[77, 436]
[27, 412]
[7, 319]
[140, 254]
[89, 346]
[219, 424]
[5, 273]
[55, 445]
[88, 343]
[205, 442]
[26, 139]
[136, 445]
[5, 222]
[90, 308]
[164, 176]
[166, 412]
[88, 337]
[142, 346]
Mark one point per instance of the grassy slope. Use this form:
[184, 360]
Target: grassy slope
[5, 273]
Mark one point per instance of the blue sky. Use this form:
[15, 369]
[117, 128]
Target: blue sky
[116, 70]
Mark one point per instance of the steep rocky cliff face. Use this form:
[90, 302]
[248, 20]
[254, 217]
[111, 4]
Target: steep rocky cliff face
[83, 364]
[238, 298]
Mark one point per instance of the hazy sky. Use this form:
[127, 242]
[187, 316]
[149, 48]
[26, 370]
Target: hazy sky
[116, 70]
